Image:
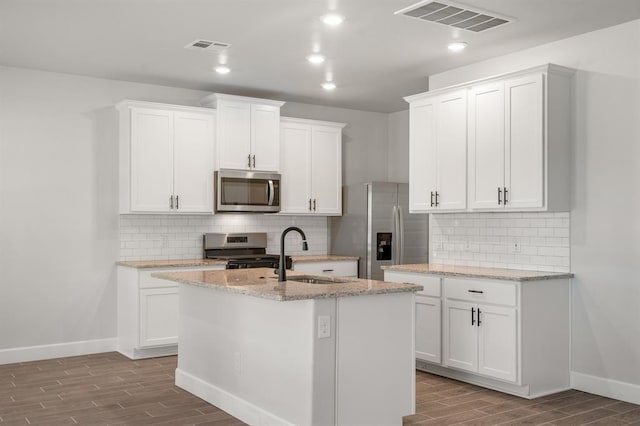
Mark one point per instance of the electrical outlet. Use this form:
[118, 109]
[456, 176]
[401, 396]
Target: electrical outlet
[324, 326]
[517, 247]
[164, 240]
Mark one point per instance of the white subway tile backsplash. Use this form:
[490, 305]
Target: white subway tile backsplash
[161, 237]
[489, 239]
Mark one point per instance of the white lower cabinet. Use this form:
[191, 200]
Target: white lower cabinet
[427, 313]
[148, 312]
[345, 268]
[512, 336]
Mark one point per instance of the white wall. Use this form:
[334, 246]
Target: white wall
[398, 149]
[605, 230]
[58, 197]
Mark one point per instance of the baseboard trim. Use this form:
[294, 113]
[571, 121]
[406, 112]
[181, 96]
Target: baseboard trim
[58, 350]
[232, 404]
[615, 389]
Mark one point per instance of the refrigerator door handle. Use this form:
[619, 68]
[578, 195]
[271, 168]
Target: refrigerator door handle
[394, 244]
[401, 235]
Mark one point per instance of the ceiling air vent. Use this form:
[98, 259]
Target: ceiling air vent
[454, 15]
[207, 45]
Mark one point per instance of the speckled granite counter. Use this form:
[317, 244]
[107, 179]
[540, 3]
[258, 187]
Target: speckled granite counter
[178, 263]
[321, 258]
[478, 272]
[263, 283]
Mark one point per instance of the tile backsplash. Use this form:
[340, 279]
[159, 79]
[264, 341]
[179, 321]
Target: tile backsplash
[531, 241]
[159, 237]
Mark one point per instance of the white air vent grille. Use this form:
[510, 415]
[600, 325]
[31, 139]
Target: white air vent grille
[454, 15]
[207, 45]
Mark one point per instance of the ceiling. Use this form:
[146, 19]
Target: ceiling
[375, 57]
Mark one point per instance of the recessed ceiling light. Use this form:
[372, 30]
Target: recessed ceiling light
[332, 19]
[328, 85]
[315, 58]
[223, 70]
[457, 46]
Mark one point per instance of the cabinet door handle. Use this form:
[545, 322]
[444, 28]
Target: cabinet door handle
[314, 204]
[505, 195]
[171, 202]
[473, 314]
[254, 161]
[437, 202]
[177, 202]
[309, 204]
[476, 291]
[479, 322]
[499, 195]
[431, 198]
[327, 270]
[249, 160]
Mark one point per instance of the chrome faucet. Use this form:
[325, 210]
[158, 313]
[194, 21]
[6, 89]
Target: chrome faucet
[282, 271]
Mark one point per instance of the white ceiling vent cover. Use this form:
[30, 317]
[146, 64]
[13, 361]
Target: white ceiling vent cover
[454, 15]
[207, 45]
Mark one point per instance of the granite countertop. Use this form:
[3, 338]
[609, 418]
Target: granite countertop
[184, 263]
[262, 282]
[211, 262]
[478, 272]
[321, 258]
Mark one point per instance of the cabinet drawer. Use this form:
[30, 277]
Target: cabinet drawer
[345, 268]
[430, 283]
[500, 293]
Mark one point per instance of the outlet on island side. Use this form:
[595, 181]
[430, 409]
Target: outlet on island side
[324, 326]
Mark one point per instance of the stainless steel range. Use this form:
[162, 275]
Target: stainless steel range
[241, 250]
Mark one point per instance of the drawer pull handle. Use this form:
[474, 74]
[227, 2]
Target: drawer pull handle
[327, 270]
[476, 291]
[479, 322]
[473, 313]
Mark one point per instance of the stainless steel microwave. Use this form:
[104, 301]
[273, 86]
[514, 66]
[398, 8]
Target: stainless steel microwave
[246, 191]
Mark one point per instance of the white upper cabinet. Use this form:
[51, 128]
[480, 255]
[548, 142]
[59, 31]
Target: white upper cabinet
[438, 152]
[518, 136]
[248, 132]
[166, 158]
[311, 167]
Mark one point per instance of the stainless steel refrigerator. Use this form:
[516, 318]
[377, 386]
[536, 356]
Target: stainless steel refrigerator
[376, 225]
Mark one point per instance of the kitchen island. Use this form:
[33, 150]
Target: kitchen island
[291, 352]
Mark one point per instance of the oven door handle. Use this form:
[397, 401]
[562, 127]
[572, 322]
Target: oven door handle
[270, 193]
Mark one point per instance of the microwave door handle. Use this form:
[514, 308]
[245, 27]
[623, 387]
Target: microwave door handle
[270, 192]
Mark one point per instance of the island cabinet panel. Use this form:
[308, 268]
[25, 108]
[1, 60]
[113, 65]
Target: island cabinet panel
[166, 158]
[345, 268]
[311, 167]
[148, 312]
[299, 362]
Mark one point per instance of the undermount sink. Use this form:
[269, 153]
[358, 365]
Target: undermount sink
[317, 279]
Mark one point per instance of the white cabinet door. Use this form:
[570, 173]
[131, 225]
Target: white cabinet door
[265, 137]
[497, 342]
[451, 137]
[193, 162]
[234, 135]
[486, 146]
[524, 142]
[151, 160]
[428, 326]
[326, 170]
[422, 155]
[460, 336]
[158, 317]
[295, 168]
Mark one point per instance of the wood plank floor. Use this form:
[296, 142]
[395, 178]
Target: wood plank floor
[109, 389]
